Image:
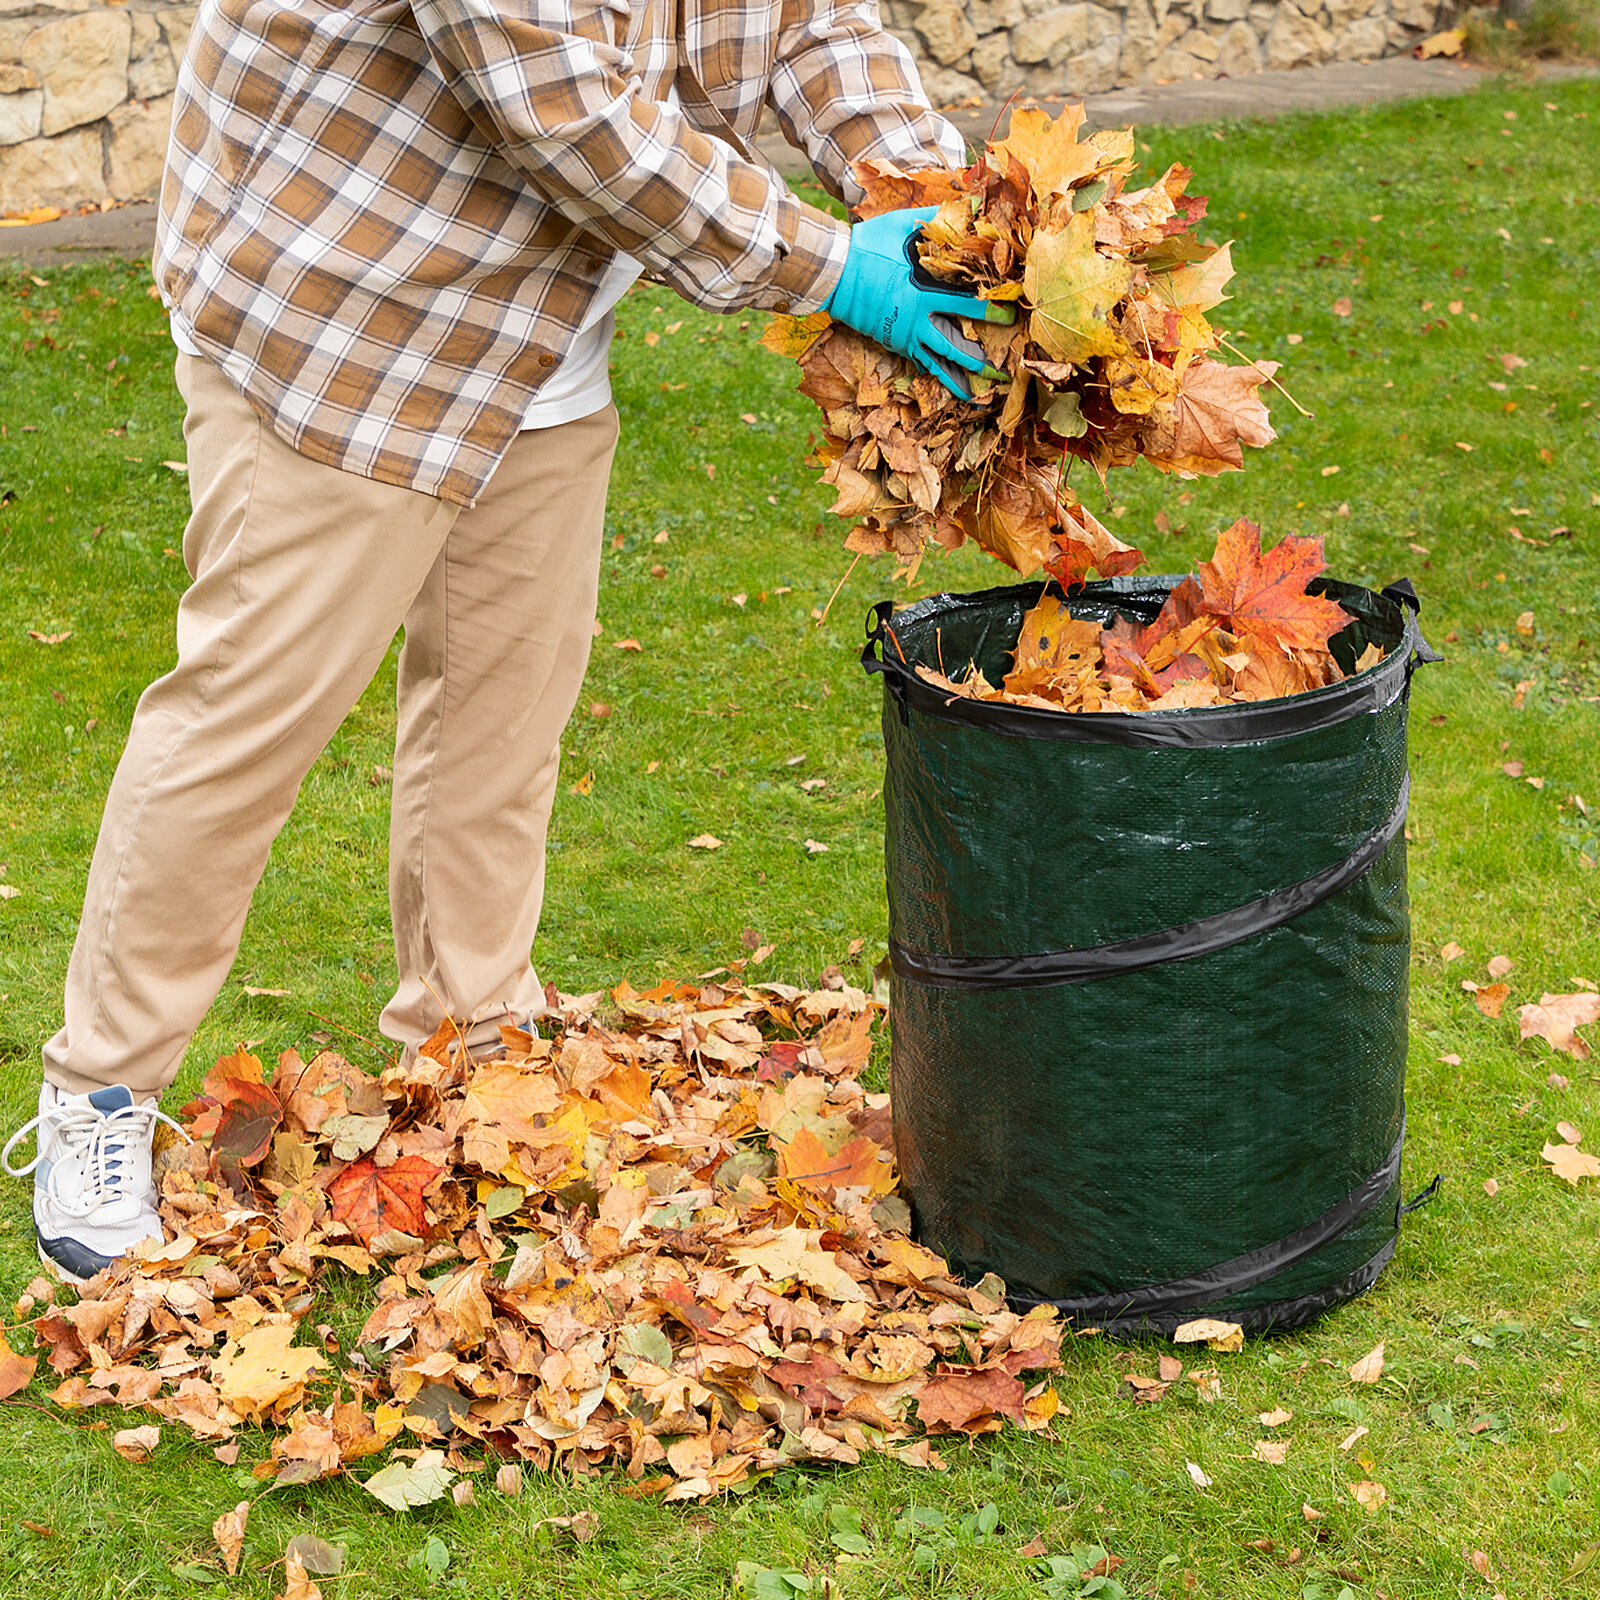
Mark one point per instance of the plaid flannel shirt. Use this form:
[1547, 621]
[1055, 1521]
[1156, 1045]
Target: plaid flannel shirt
[385, 220]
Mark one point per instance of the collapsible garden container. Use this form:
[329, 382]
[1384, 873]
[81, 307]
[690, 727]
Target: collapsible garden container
[1149, 973]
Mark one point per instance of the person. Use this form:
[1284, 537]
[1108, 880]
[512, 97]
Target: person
[390, 240]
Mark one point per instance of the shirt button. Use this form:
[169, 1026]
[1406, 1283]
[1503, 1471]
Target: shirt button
[547, 360]
[782, 305]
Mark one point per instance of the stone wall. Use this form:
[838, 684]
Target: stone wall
[86, 85]
[85, 98]
[987, 48]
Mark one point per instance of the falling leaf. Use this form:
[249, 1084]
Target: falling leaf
[1370, 1367]
[1570, 1163]
[705, 841]
[1275, 1452]
[228, 1531]
[1371, 1497]
[404, 1485]
[1556, 1019]
[136, 1444]
[1197, 1475]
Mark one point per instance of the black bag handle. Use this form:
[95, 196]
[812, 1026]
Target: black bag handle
[1402, 593]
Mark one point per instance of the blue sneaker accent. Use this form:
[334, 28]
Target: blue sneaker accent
[75, 1259]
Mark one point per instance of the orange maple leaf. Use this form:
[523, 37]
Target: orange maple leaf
[970, 1402]
[1265, 594]
[369, 1199]
[250, 1116]
[859, 1163]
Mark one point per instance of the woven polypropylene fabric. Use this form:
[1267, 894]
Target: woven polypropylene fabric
[1090, 1138]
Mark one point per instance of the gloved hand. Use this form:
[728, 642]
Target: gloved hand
[884, 294]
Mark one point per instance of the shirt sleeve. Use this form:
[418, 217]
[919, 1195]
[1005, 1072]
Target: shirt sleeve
[845, 89]
[552, 92]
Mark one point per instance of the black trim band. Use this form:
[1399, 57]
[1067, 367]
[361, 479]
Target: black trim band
[1189, 939]
[1201, 1289]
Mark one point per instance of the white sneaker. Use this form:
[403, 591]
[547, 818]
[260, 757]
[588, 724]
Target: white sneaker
[93, 1195]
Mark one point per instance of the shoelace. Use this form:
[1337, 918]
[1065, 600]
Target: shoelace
[100, 1137]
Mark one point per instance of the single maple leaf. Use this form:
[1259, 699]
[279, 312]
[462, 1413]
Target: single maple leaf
[1073, 289]
[1219, 410]
[250, 1116]
[793, 336]
[1049, 151]
[1490, 997]
[858, 1163]
[369, 1199]
[969, 1402]
[1569, 1162]
[1196, 283]
[1265, 594]
[263, 1369]
[1557, 1017]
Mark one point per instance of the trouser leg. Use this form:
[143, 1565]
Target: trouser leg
[302, 574]
[496, 646]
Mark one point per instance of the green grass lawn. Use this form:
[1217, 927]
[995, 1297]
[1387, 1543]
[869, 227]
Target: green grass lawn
[1454, 440]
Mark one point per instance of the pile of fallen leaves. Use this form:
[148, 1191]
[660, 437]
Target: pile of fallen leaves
[1244, 628]
[1110, 359]
[666, 1237]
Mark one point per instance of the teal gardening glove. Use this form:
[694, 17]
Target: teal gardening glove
[884, 294]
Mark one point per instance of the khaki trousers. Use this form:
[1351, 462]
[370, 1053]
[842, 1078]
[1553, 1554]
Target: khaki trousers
[302, 574]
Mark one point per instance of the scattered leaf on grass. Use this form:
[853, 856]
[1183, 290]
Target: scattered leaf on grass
[1499, 966]
[508, 1480]
[1568, 1162]
[1451, 951]
[1311, 1514]
[1451, 1059]
[1225, 1336]
[50, 638]
[1370, 1496]
[1275, 1418]
[705, 841]
[136, 1444]
[815, 847]
[581, 1526]
[16, 1372]
[1353, 1438]
[316, 1555]
[1197, 1475]
[228, 1531]
[1491, 1187]
[1489, 998]
[297, 1584]
[402, 1485]
[9, 891]
[1570, 1132]
[1275, 1452]
[1370, 1367]
[1557, 1017]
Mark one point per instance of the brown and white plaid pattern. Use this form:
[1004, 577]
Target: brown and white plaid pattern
[385, 220]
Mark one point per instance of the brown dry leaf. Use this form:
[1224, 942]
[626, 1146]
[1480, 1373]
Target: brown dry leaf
[1557, 1017]
[1225, 1336]
[136, 1444]
[1570, 1132]
[16, 1372]
[1499, 966]
[705, 841]
[1451, 951]
[1570, 1163]
[1275, 1452]
[1274, 1418]
[1490, 997]
[1370, 1496]
[1370, 1367]
[1197, 1475]
[371, 1199]
[297, 1582]
[228, 1531]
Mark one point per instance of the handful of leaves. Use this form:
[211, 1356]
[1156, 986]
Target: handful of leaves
[1243, 628]
[1112, 360]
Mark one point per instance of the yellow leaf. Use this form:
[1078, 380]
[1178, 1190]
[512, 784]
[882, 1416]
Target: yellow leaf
[1569, 1162]
[797, 1253]
[1371, 1497]
[261, 1370]
[1073, 289]
[1225, 1336]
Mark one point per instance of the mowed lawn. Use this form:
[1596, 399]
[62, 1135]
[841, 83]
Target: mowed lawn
[1430, 276]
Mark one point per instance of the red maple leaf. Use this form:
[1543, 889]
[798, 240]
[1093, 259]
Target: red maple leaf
[1265, 594]
[369, 1199]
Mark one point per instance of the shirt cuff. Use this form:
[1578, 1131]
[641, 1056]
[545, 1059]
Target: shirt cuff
[815, 246]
